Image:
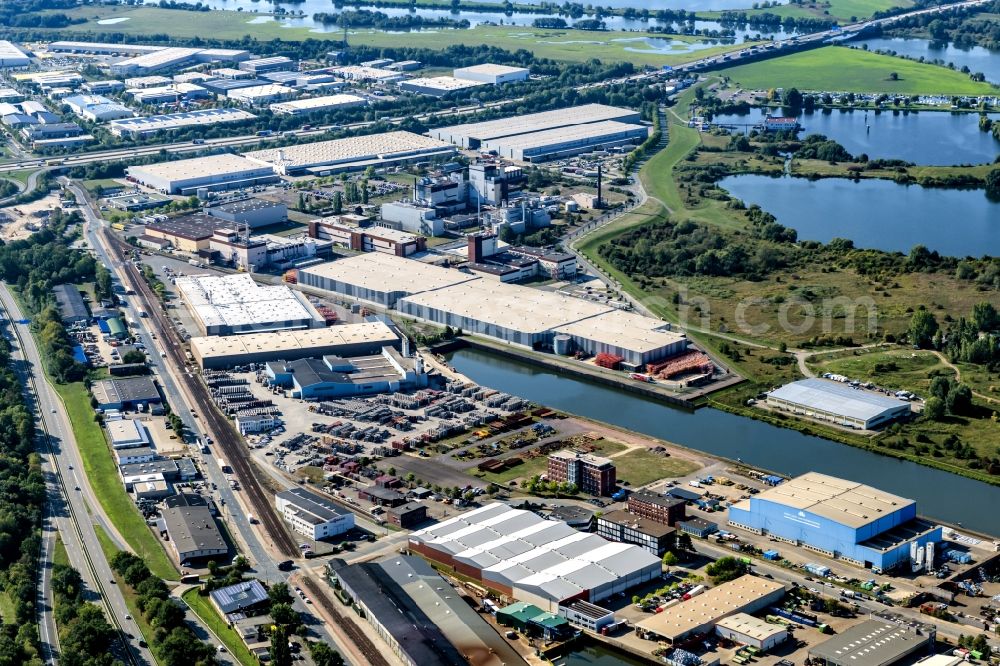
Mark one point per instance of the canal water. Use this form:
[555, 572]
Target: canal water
[976, 58]
[597, 655]
[930, 137]
[940, 495]
[878, 214]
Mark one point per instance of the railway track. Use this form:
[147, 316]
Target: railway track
[221, 430]
[364, 644]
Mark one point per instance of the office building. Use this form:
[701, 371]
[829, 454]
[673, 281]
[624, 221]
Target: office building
[407, 516]
[839, 403]
[96, 108]
[842, 519]
[215, 172]
[656, 507]
[586, 615]
[366, 239]
[313, 515]
[593, 475]
[624, 527]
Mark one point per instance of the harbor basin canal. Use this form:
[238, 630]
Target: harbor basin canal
[947, 497]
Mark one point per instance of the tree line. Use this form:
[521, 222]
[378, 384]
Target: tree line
[85, 635]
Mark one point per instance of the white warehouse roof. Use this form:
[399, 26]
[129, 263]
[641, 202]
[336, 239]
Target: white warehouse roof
[237, 302]
[370, 147]
[842, 399]
[317, 104]
[536, 122]
[387, 273]
[561, 135]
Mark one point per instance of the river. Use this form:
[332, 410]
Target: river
[877, 214]
[940, 495]
[930, 137]
[976, 58]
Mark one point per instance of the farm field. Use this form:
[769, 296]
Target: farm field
[842, 69]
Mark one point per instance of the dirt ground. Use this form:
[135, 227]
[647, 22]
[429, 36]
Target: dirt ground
[19, 222]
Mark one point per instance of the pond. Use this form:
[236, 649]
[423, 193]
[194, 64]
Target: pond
[929, 137]
[938, 494]
[976, 58]
[877, 214]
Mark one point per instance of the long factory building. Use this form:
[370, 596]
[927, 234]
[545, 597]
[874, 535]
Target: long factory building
[538, 137]
[861, 525]
[346, 340]
[215, 172]
[517, 315]
[528, 558]
[139, 127]
[351, 154]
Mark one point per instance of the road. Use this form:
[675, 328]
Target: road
[71, 510]
[263, 563]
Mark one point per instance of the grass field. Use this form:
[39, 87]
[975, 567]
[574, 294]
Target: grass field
[201, 607]
[641, 466]
[104, 479]
[59, 554]
[843, 10]
[842, 69]
[568, 45]
[538, 464]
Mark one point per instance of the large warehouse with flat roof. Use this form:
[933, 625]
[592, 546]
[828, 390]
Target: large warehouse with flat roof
[838, 403]
[862, 525]
[351, 154]
[699, 614]
[526, 557]
[234, 304]
[379, 278]
[344, 340]
[216, 172]
[874, 643]
[560, 142]
[140, 127]
[473, 135]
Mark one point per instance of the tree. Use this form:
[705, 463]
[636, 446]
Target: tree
[133, 356]
[934, 409]
[725, 569]
[338, 203]
[102, 281]
[280, 654]
[959, 400]
[923, 326]
[993, 184]
[284, 614]
[893, 76]
[792, 98]
[324, 655]
[279, 594]
[669, 559]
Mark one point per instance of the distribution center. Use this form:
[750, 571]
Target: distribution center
[215, 172]
[351, 154]
[560, 142]
[859, 524]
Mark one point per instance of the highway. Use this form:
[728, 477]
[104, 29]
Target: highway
[70, 509]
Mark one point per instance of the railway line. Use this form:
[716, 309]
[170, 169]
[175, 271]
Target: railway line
[222, 432]
[368, 649]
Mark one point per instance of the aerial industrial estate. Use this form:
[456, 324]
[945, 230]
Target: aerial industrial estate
[530, 335]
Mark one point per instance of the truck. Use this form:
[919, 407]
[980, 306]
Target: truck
[694, 592]
[285, 565]
[194, 262]
[251, 519]
[224, 466]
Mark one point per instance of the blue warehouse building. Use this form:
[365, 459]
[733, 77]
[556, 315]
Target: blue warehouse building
[841, 519]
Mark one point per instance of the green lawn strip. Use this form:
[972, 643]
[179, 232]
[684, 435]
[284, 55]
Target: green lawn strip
[105, 183]
[839, 68]
[899, 368]
[59, 554]
[131, 598]
[642, 466]
[107, 485]
[538, 464]
[568, 45]
[203, 608]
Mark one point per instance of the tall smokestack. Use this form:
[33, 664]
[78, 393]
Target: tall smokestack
[600, 198]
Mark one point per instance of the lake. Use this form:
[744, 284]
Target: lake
[929, 137]
[877, 214]
[976, 58]
[941, 495]
[310, 7]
